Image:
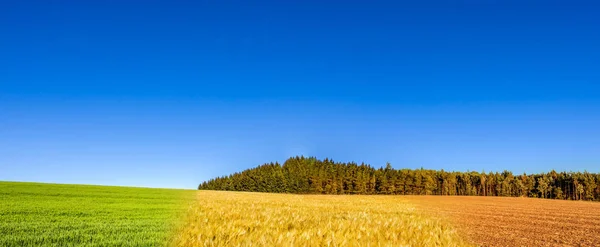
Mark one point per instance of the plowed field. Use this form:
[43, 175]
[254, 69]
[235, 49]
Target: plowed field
[500, 221]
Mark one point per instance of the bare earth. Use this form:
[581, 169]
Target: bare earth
[502, 221]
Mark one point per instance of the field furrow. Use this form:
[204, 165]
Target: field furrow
[501, 221]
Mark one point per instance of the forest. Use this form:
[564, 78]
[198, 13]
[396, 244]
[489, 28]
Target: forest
[309, 175]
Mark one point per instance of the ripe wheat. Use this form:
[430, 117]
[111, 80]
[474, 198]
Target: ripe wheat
[220, 218]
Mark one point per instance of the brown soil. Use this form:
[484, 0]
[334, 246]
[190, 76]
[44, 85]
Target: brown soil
[502, 221]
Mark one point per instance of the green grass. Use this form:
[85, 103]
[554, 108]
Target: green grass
[36, 214]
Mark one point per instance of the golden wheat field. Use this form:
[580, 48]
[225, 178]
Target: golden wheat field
[219, 218]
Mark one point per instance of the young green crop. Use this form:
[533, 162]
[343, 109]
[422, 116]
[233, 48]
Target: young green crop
[36, 214]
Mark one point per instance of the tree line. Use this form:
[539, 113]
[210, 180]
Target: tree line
[309, 175]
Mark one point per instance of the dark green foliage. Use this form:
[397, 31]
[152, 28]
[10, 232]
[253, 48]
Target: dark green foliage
[312, 176]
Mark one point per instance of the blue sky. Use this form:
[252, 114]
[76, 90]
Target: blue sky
[166, 94]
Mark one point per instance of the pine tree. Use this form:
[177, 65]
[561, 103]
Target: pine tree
[309, 175]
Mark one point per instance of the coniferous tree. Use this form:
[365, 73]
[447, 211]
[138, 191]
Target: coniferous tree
[309, 175]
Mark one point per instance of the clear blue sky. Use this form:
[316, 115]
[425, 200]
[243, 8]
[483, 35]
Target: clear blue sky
[168, 94]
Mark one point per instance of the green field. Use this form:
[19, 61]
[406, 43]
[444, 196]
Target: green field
[37, 214]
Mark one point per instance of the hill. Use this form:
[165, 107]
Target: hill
[309, 175]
